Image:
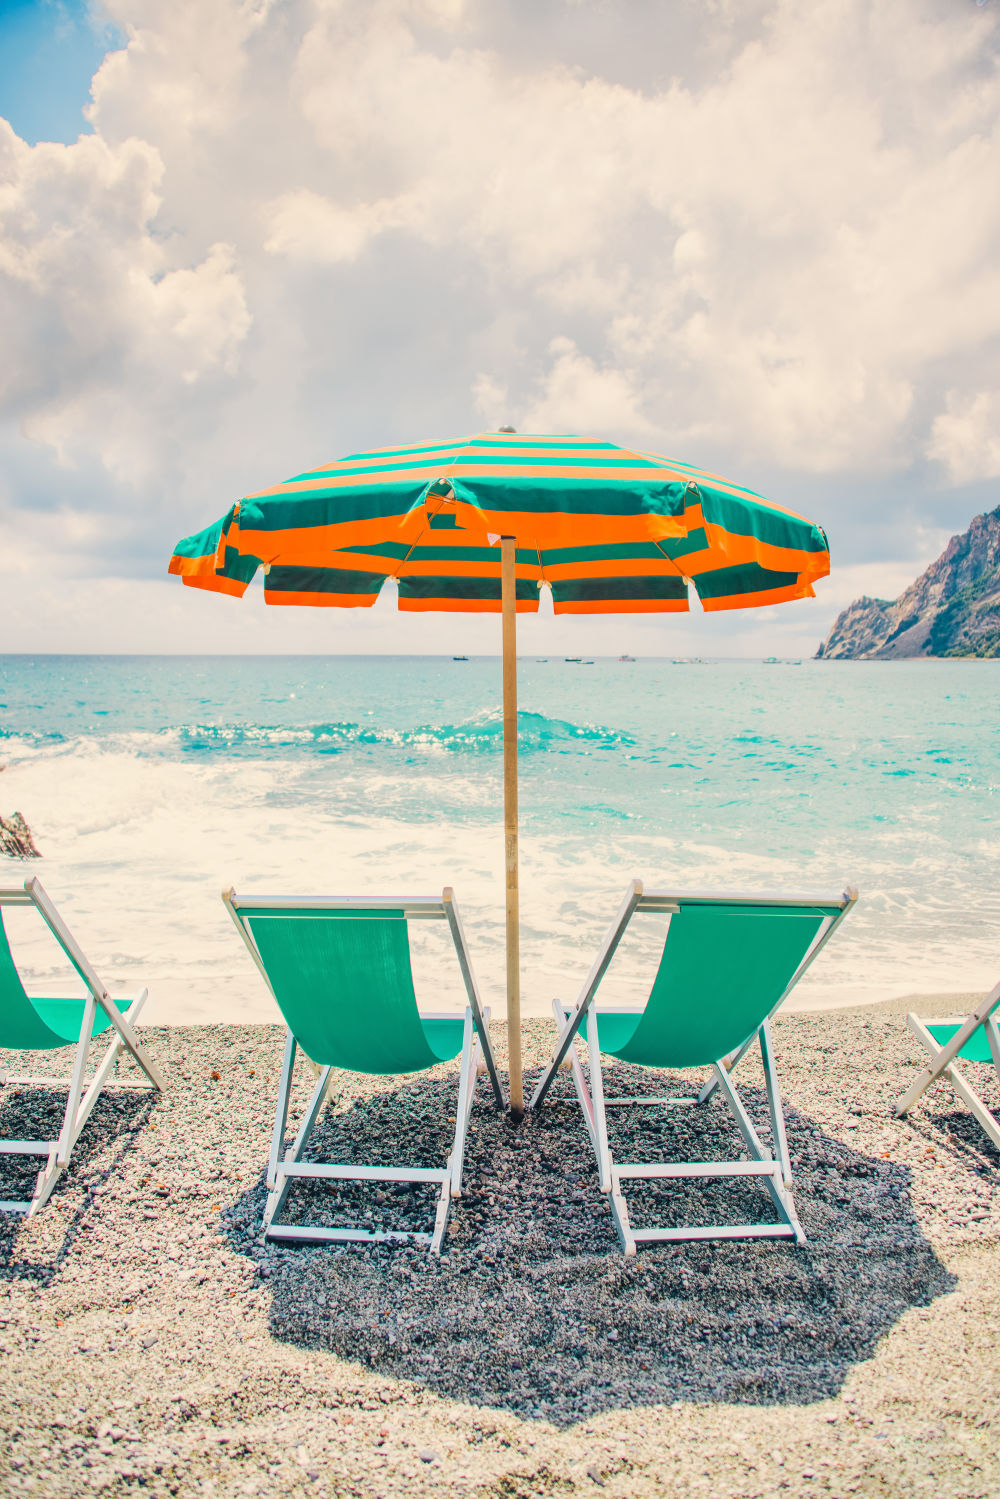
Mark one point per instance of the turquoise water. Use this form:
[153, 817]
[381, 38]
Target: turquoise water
[151, 782]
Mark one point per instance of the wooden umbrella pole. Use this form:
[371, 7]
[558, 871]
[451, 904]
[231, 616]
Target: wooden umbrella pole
[508, 594]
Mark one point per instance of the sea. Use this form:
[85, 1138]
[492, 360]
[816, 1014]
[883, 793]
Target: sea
[152, 783]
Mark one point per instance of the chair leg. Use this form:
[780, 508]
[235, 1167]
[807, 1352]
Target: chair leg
[281, 1112]
[593, 1107]
[47, 1179]
[486, 1060]
[770, 1168]
[568, 1025]
[778, 1134]
[619, 1211]
[579, 1082]
[281, 1173]
[441, 1216]
[123, 1024]
[782, 1199]
[472, 1059]
[597, 1094]
[66, 1134]
[993, 1037]
[294, 1153]
[958, 1083]
[591, 1097]
[729, 1063]
[79, 1115]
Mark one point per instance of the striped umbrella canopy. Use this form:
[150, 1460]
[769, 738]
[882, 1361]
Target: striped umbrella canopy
[481, 523]
[608, 529]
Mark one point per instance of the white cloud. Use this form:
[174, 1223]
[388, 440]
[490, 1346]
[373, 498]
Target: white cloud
[492, 400]
[305, 226]
[965, 437]
[102, 331]
[785, 241]
[578, 396]
[762, 237]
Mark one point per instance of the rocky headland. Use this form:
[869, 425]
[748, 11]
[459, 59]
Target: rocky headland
[953, 609]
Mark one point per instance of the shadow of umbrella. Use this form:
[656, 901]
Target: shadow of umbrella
[533, 1309]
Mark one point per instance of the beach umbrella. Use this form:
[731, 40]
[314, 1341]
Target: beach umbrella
[480, 524]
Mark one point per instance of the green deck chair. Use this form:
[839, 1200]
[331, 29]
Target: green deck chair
[728, 962]
[340, 972]
[975, 1039]
[28, 1024]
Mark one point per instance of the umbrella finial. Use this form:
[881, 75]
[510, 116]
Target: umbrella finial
[506, 429]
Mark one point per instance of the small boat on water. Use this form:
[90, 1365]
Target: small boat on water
[626, 658]
[460, 658]
[573, 660]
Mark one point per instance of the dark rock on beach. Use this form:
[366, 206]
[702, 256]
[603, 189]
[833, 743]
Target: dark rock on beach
[15, 838]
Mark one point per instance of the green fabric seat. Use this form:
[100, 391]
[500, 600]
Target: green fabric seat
[976, 1049]
[722, 971]
[615, 1028]
[444, 1037]
[28, 1024]
[344, 984]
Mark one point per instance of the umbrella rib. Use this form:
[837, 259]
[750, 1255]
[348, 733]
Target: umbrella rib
[446, 474]
[403, 561]
[672, 561]
[419, 536]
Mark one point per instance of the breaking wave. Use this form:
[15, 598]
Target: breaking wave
[480, 734]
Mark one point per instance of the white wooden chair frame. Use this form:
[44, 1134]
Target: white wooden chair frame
[772, 1168]
[477, 1056]
[944, 1061]
[81, 1096]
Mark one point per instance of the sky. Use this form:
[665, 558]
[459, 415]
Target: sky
[239, 238]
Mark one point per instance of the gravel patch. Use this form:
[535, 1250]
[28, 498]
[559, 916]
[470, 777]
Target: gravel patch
[152, 1341]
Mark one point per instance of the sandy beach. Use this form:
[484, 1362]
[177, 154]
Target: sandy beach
[152, 1341]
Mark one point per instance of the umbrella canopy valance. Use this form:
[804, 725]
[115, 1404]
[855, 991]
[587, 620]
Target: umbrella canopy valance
[609, 530]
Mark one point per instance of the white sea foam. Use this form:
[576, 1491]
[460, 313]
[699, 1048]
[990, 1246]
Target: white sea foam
[139, 844]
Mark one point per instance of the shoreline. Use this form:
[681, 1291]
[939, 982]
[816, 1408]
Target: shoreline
[265, 1012]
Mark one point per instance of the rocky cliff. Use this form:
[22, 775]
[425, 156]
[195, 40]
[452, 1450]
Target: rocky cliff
[953, 609]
